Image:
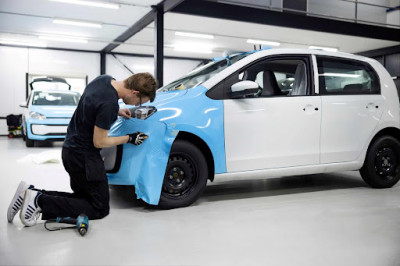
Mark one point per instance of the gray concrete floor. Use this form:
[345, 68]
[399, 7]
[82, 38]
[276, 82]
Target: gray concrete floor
[327, 219]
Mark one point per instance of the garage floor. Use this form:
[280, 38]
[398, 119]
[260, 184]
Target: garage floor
[329, 219]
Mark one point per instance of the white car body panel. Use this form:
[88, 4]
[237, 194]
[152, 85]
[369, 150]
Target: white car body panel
[254, 126]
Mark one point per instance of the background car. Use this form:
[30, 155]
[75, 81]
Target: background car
[231, 118]
[48, 111]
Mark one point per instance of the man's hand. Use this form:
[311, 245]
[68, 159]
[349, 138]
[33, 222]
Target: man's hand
[125, 113]
[137, 138]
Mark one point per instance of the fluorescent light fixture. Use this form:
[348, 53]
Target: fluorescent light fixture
[62, 39]
[263, 42]
[89, 3]
[329, 49]
[194, 35]
[23, 43]
[341, 75]
[76, 23]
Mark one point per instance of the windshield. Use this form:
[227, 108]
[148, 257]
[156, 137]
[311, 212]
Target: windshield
[55, 98]
[201, 74]
[46, 85]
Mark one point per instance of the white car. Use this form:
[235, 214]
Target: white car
[48, 112]
[340, 112]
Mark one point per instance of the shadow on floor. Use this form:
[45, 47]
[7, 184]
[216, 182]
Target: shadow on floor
[124, 197]
[251, 188]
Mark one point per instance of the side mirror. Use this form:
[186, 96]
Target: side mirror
[23, 105]
[244, 88]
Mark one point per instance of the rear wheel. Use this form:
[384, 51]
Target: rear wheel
[382, 165]
[185, 176]
[28, 142]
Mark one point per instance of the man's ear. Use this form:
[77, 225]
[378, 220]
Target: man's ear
[134, 92]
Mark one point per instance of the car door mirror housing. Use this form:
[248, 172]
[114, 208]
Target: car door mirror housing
[244, 88]
[23, 105]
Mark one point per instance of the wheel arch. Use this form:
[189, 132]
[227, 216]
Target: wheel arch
[202, 145]
[388, 131]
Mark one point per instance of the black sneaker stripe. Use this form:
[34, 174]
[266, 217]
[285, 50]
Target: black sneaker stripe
[15, 209]
[31, 208]
[19, 201]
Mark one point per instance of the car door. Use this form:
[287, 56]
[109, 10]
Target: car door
[279, 125]
[352, 107]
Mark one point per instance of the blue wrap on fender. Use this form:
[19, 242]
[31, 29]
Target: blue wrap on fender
[143, 165]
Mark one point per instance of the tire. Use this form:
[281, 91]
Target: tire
[29, 143]
[382, 164]
[185, 176]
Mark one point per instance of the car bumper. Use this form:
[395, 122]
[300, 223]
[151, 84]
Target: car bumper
[47, 129]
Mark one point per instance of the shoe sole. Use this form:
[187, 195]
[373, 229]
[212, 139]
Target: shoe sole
[25, 204]
[21, 188]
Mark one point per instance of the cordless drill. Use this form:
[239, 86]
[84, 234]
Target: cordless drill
[82, 223]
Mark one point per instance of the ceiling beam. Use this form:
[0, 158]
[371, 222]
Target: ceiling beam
[165, 5]
[284, 19]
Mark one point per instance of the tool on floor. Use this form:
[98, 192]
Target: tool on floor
[81, 223]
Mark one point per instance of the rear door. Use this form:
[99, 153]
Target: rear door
[351, 107]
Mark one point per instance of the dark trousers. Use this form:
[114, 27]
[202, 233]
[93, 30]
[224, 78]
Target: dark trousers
[89, 184]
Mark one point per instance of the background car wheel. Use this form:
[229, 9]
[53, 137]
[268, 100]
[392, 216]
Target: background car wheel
[382, 165]
[185, 176]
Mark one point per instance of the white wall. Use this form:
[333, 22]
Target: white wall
[173, 68]
[16, 62]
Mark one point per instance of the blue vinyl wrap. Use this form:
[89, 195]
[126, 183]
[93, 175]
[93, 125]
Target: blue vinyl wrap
[184, 110]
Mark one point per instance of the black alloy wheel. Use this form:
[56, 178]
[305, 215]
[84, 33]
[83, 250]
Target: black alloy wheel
[382, 164]
[185, 176]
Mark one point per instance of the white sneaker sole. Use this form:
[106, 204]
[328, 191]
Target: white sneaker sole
[17, 201]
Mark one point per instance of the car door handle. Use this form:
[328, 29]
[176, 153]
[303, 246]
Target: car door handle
[371, 105]
[309, 107]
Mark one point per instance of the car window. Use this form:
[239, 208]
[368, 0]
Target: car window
[341, 77]
[55, 98]
[286, 77]
[46, 85]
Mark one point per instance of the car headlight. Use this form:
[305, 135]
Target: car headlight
[143, 112]
[36, 115]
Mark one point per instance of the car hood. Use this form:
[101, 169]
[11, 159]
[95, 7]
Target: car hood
[54, 111]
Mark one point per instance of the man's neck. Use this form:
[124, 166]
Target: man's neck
[119, 87]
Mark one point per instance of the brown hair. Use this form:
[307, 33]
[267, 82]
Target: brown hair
[144, 83]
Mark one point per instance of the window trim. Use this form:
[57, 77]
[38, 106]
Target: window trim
[306, 58]
[337, 58]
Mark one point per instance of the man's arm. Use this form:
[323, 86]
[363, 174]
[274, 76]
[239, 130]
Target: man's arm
[101, 139]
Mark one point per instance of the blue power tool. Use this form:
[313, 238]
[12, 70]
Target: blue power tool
[81, 223]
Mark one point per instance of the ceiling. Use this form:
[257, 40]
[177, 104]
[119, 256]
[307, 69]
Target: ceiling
[26, 20]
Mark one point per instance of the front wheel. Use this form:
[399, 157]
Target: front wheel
[185, 176]
[382, 165]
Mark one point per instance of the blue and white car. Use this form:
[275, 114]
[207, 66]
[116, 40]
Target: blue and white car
[49, 109]
[231, 118]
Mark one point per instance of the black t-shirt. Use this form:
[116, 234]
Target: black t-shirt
[97, 106]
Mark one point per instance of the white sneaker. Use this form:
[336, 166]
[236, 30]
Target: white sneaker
[17, 201]
[30, 211]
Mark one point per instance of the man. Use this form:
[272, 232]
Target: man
[87, 133]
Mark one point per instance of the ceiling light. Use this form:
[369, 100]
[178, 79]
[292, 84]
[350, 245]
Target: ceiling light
[263, 42]
[62, 39]
[76, 23]
[194, 35]
[23, 43]
[88, 3]
[329, 49]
